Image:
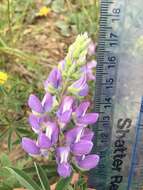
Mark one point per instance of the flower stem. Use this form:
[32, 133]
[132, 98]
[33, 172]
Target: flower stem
[9, 18]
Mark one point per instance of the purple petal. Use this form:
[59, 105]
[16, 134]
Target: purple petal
[47, 102]
[35, 123]
[91, 49]
[35, 104]
[65, 110]
[52, 132]
[45, 119]
[82, 147]
[82, 108]
[90, 75]
[79, 84]
[54, 79]
[88, 70]
[64, 170]
[89, 118]
[67, 103]
[30, 146]
[87, 134]
[84, 91]
[88, 162]
[43, 141]
[91, 64]
[72, 134]
[65, 117]
[62, 154]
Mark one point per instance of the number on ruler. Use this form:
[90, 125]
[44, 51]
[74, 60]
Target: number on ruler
[116, 11]
[116, 14]
[112, 61]
[113, 39]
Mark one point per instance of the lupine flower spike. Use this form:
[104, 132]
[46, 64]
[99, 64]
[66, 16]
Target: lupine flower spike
[60, 120]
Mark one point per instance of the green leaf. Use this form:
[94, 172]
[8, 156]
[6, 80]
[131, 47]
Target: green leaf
[58, 6]
[23, 179]
[64, 27]
[50, 170]
[42, 177]
[4, 133]
[63, 184]
[4, 161]
[23, 131]
[9, 139]
[70, 187]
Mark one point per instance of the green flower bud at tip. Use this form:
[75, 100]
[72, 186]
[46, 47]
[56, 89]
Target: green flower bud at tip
[51, 89]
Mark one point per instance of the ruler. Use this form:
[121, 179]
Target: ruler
[118, 92]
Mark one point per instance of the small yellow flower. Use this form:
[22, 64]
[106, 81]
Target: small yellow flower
[44, 11]
[3, 77]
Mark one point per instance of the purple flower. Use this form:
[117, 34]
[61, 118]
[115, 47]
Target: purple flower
[81, 109]
[65, 111]
[35, 104]
[30, 146]
[38, 122]
[80, 142]
[87, 162]
[83, 118]
[79, 133]
[52, 132]
[88, 69]
[82, 147]
[91, 49]
[79, 87]
[53, 118]
[54, 80]
[40, 107]
[88, 118]
[62, 155]
[50, 137]
[87, 134]
[47, 102]
[43, 141]
[35, 123]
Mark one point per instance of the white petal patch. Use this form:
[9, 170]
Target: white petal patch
[79, 136]
[49, 131]
[64, 156]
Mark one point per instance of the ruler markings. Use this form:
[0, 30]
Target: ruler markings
[103, 103]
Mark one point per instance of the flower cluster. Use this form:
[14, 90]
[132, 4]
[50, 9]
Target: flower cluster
[61, 119]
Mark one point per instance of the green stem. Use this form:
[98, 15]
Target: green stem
[2, 43]
[9, 18]
[20, 22]
[39, 176]
[22, 55]
[64, 87]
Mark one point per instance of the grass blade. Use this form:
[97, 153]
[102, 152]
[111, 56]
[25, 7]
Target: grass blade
[23, 179]
[42, 177]
[63, 184]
